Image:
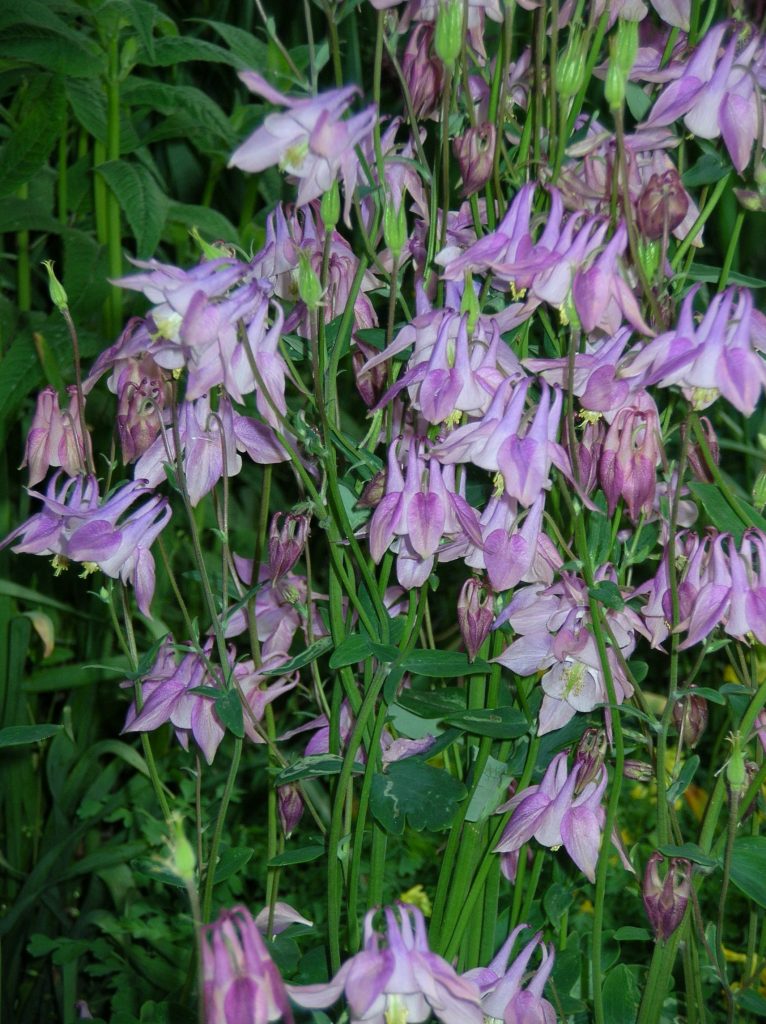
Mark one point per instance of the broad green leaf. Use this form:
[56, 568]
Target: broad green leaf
[316, 650]
[8, 588]
[86, 271]
[228, 708]
[313, 767]
[607, 593]
[629, 933]
[637, 100]
[303, 855]
[20, 735]
[353, 649]
[231, 861]
[425, 796]
[691, 852]
[710, 167]
[171, 50]
[557, 900]
[41, 118]
[748, 867]
[700, 272]
[187, 106]
[141, 200]
[721, 514]
[621, 996]
[433, 704]
[442, 664]
[72, 676]
[685, 776]
[490, 791]
[702, 691]
[26, 215]
[89, 108]
[70, 54]
[751, 1001]
[499, 723]
[245, 47]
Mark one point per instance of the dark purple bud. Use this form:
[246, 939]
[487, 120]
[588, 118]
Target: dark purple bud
[665, 901]
[422, 71]
[475, 614]
[690, 718]
[475, 154]
[373, 492]
[286, 542]
[589, 757]
[290, 806]
[371, 385]
[639, 771]
[697, 462]
[662, 205]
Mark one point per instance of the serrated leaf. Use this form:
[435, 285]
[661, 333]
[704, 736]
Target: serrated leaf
[411, 790]
[21, 735]
[228, 708]
[248, 50]
[303, 855]
[499, 723]
[41, 119]
[26, 215]
[140, 199]
[442, 664]
[171, 50]
[70, 54]
[209, 222]
[198, 109]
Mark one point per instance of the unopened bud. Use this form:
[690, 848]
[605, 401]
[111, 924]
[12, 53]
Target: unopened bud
[210, 252]
[638, 771]
[469, 303]
[662, 205]
[589, 757]
[750, 200]
[735, 766]
[475, 614]
[625, 46]
[475, 154]
[650, 254]
[309, 285]
[696, 459]
[286, 542]
[184, 858]
[423, 73]
[290, 807]
[690, 718]
[329, 208]
[371, 384]
[395, 224]
[448, 37]
[614, 86]
[56, 288]
[373, 492]
[665, 901]
[570, 71]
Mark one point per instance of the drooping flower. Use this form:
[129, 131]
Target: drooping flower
[504, 997]
[629, 456]
[309, 141]
[396, 977]
[665, 900]
[242, 985]
[55, 437]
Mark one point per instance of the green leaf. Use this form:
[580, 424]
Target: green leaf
[629, 933]
[607, 593]
[637, 100]
[188, 108]
[228, 707]
[557, 900]
[70, 53]
[89, 108]
[19, 735]
[490, 790]
[303, 855]
[720, 512]
[248, 50]
[209, 222]
[41, 119]
[710, 167]
[26, 215]
[425, 796]
[140, 199]
[313, 767]
[442, 664]
[314, 651]
[685, 776]
[353, 649]
[621, 996]
[499, 723]
[436, 704]
[748, 867]
[751, 1001]
[691, 852]
[711, 275]
[231, 861]
[171, 50]
[701, 691]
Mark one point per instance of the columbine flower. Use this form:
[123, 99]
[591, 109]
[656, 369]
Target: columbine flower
[629, 457]
[55, 437]
[564, 809]
[396, 982]
[241, 983]
[500, 984]
[665, 901]
[309, 140]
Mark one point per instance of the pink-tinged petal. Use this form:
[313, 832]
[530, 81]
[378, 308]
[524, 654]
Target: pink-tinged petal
[316, 997]
[206, 729]
[524, 822]
[241, 1002]
[425, 523]
[384, 523]
[257, 84]
[157, 708]
[581, 833]
[258, 441]
[674, 12]
[143, 578]
[709, 609]
[366, 981]
[439, 393]
[675, 101]
[284, 916]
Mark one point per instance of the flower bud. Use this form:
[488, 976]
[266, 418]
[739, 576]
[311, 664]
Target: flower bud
[469, 303]
[290, 807]
[639, 771]
[371, 384]
[184, 859]
[422, 72]
[56, 288]
[448, 37]
[697, 462]
[614, 86]
[690, 718]
[394, 223]
[373, 492]
[735, 766]
[286, 542]
[475, 614]
[625, 45]
[309, 285]
[475, 154]
[589, 757]
[665, 901]
[329, 208]
[662, 205]
[570, 71]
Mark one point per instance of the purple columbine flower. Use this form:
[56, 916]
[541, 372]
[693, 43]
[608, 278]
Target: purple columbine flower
[55, 437]
[630, 455]
[503, 995]
[665, 900]
[309, 141]
[242, 985]
[563, 810]
[75, 525]
[396, 977]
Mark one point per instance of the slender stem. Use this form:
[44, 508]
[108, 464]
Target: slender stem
[207, 896]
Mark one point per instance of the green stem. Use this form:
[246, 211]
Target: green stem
[23, 267]
[207, 896]
[731, 249]
[113, 227]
